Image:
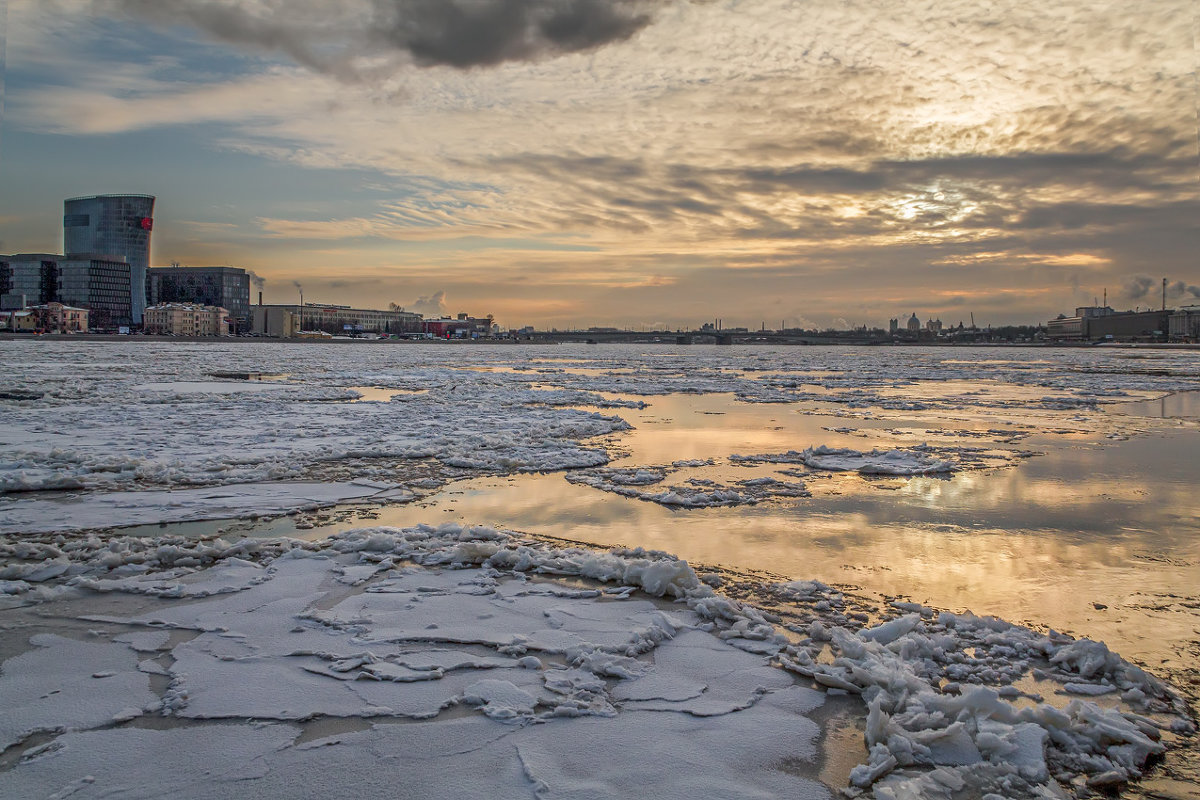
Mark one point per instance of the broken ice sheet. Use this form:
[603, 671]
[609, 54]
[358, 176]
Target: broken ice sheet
[467, 646]
[643, 483]
[299, 644]
[912, 461]
[66, 684]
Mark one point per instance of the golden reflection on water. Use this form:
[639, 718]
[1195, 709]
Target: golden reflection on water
[1092, 539]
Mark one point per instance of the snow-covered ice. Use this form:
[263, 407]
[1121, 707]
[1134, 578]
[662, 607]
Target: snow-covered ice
[511, 680]
[136, 417]
[104, 509]
[643, 483]
[474, 632]
[457, 661]
[873, 462]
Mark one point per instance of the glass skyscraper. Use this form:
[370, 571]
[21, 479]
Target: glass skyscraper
[114, 224]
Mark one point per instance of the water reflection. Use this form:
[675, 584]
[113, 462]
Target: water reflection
[1181, 405]
[1098, 535]
[1090, 537]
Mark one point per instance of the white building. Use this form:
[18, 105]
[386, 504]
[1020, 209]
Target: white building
[1185, 324]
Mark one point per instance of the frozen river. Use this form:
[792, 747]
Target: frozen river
[833, 487]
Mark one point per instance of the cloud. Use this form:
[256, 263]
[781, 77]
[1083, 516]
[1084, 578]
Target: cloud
[432, 306]
[705, 161]
[357, 39]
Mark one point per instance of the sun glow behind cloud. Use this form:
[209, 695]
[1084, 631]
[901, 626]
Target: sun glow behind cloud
[811, 149]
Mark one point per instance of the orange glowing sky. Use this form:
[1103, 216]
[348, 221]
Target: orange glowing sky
[628, 162]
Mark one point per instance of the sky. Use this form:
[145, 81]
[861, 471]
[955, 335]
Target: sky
[631, 163]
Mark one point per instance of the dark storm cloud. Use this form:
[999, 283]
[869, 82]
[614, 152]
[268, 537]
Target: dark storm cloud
[469, 33]
[460, 33]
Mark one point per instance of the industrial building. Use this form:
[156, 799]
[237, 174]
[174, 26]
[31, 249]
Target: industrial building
[1128, 326]
[274, 321]
[460, 327]
[114, 225]
[340, 320]
[226, 287]
[187, 319]
[1096, 323]
[97, 282]
[1065, 329]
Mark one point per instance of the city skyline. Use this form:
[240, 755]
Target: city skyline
[628, 163]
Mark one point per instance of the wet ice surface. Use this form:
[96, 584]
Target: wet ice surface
[149, 416]
[520, 683]
[851, 466]
[100, 509]
[529, 668]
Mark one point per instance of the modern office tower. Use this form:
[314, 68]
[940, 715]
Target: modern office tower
[97, 282]
[226, 287]
[114, 225]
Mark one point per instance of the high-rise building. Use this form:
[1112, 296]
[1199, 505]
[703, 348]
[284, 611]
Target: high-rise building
[99, 283]
[226, 287]
[114, 225]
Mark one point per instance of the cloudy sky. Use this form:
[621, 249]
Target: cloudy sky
[628, 162]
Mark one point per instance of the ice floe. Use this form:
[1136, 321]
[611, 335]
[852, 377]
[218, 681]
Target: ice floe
[488, 626]
[105, 509]
[874, 462]
[117, 416]
[634, 482]
[555, 676]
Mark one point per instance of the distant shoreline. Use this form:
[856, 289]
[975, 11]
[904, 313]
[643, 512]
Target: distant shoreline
[569, 338]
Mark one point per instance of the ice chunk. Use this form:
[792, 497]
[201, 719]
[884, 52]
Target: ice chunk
[54, 686]
[499, 699]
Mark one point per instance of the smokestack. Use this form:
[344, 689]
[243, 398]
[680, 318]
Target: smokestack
[1164, 308]
[260, 298]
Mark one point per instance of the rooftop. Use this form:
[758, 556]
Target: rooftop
[107, 196]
